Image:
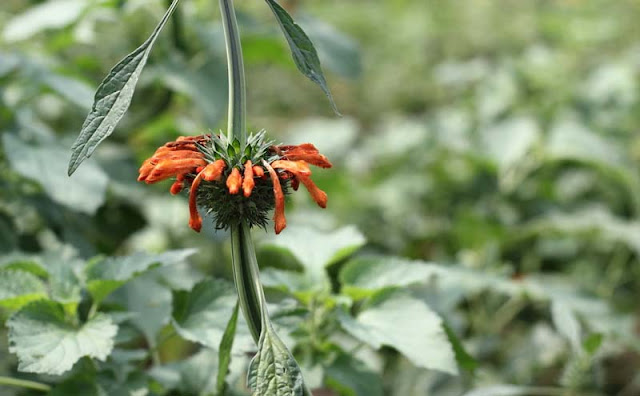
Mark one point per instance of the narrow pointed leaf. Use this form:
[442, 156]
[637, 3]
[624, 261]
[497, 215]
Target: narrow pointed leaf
[113, 98]
[224, 352]
[302, 49]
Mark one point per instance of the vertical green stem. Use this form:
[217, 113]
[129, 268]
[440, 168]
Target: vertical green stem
[246, 275]
[237, 91]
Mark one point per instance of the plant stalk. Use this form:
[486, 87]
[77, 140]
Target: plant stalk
[237, 89]
[246, 276]
[24, 384]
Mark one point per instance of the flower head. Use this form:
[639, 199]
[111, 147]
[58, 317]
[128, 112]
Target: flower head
[234, 183]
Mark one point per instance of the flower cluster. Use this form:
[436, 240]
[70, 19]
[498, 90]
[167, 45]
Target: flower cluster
[216, 170]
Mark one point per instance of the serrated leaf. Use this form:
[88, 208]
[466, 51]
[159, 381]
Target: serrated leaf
[302, 49]
[18, 288]
[113, 97]
[103, 277]
[47, 343]
[46, 165]
[201, 315]
[407, 325]
[273, 371]
[224, 351]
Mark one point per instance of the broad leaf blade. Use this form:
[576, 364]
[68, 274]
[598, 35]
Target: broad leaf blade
[273, 371]
[302, 49]
[113, 98]
[18, 288]
[406, 324]
[47, 343]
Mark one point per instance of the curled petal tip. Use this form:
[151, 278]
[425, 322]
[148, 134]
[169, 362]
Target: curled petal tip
[195, 224]
[176, 187]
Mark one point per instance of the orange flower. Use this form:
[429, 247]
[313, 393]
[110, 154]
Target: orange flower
[201, 163]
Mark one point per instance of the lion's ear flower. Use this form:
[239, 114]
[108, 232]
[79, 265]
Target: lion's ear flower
[215, 169]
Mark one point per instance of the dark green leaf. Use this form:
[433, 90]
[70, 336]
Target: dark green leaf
[302, 49]
[224, 352]
[47, 343]
[113, 98]
[352, 378]
[464, 359]
[18, 288]
[273, 371]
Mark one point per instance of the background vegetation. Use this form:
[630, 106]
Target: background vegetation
[485, 185]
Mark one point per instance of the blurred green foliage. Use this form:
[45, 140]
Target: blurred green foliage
[488, 157]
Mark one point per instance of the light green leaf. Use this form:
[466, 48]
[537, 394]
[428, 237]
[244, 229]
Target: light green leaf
[376, 272]
[316, 250]
[406, 324]
[201, 315]
[191, 376]
[107, 275]
[18, 288]
[24, 262]
[273, 371]
[113, 98]
[46, 166]
[567, 324]
[512, 390]
[65, 285]
[53, 14]
[224, 351]
[47, 343]
[302, 50]
[352, 378]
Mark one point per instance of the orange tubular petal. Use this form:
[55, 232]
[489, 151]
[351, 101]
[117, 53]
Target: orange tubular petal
[258, 171]
[195, 221]
[318, 160]
[168, 168]
[317, 194]
[248, 184]
[298, 168]
[278, 214]
[234, 181]
[214, 170]
[178, 185]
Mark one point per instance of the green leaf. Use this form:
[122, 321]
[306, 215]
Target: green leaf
[302, 49]
[201, 315]
[224, 352]
[464, 359]
[377, 272]
[48, 15]
[273, 371]
[567, 324]
[352, 378]
[512, 390]
[316, 250]
[406, 324]
[592, 343]
[113, 98]
[65, 285]
[46, 165]
[18, 288]
[191, 376]
[47, 343]
[103, 277]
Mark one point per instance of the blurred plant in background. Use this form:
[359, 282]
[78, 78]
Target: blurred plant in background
[483, 221]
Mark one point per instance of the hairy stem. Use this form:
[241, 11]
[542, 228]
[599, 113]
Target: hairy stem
[24, 384]
[246, 275]
[237, 91]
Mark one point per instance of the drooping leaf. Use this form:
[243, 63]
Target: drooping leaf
[107, 275]
[407, 325]
[201, 315]
[273, 371]
[113, 98]
[302, 49]
[46, 165]
[53, 14]
[224, 351]
[376, 272]
[352, 378]
[18, 288]
[47, 343]
[316, 250]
